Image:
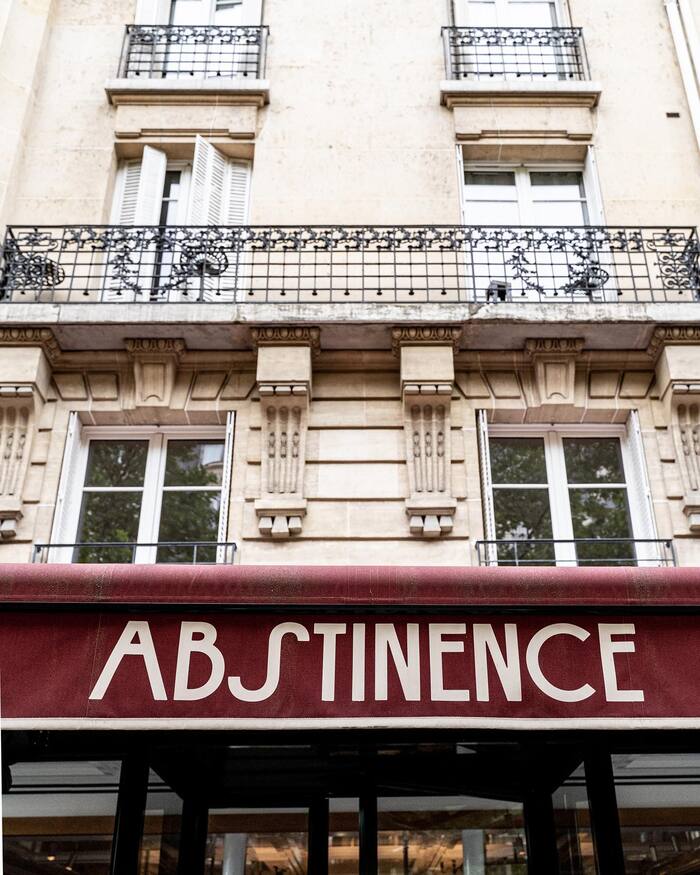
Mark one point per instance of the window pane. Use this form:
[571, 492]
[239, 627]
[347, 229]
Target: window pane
[658, 797]
[490, 178]
[560, 213]
[160, 845]
[450, 834]
[523, 515]
[257, 841]
[111, 517]
[573, 826]
[517, 460]
[116, 463]
[602, 513]
[194, 463]
[568, 184]
[344, 837]
[189, 516]
[593, 460]
[59, 817]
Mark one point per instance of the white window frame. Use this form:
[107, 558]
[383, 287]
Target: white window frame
[638, 498]
[523, 189]
[462, 17]
[75, 469]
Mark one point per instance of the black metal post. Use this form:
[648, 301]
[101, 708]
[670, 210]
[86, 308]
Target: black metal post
[368, 832]
[128, 823]
[542, 857]
[318, 836]
[605, 820]
[193, 838]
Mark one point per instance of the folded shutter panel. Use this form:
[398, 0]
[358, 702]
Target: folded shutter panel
[152, 12]
[66, 512]
[126, 193]
[639, 493]
[224, 553]
[151, 182]
[490, 555]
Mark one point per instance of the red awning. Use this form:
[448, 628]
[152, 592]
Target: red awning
[335, 586]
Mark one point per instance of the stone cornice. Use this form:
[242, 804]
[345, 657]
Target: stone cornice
[424, 335]
[287, 335]
[30, 336]
[672, 335]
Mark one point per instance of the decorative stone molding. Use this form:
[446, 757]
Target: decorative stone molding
[155, 368]
[424, 335]
[427, 380]
[554, 363]
[686, 435]
[286, 335]
[666, 335]
[29, 336]
[17, 418]
[284, 385]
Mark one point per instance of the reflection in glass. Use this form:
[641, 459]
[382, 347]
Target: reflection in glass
[658, 798]
[449, 834]
[59, 817]
[593, 460]
[257, 841]
[573, 826]
[523, 514]
[344, 837]
[108, 516]
[602, 513]
[189, 516]
[161, 832]
[517, 460]
[116, 463]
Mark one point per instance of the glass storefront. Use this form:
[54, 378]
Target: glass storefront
[384, 809]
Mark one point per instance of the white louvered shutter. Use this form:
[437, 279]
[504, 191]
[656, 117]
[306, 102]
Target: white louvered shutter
[491, 552]
[137, 201]
[66, 512]
[639, 493]
[150, 194]
[224, 554]
[219, 194]
[152, 12]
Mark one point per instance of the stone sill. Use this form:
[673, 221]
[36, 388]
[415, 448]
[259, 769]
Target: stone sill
[509, 92]
[206, 92]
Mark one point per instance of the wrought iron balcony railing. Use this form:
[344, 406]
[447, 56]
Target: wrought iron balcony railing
[176, 52]
[515, 53]
[130, 552]
[578, 552]
[373, 264]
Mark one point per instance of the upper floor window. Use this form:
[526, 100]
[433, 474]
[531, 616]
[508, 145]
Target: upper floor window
[566, 495]
[508, 13]
[193, 13]
[146, 495]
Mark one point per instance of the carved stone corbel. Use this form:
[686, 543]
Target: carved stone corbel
[554, 365]
[427, 380]
[284, 384]
[155, 368]
[17, 424]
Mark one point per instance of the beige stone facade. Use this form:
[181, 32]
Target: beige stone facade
[358, 426]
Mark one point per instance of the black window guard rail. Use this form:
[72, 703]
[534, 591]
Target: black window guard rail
[640, 552]
[515, 53]
[370, 264]
[177, 52]
[125, 552]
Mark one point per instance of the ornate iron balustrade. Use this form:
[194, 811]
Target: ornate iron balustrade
[127, 552]
[515, 53]
[176, 52]
[377, 264]
[643, 553]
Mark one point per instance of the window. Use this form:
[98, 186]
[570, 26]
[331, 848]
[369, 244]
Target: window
[199, 12]
[524, 196]
[507, 13]
[211, 190]
[157, 495]
[506, 263]
[564, 496]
